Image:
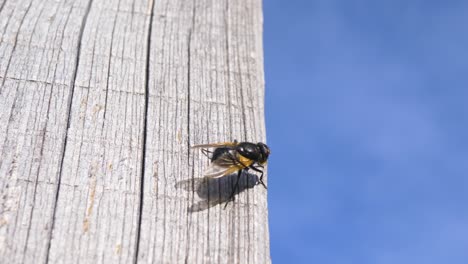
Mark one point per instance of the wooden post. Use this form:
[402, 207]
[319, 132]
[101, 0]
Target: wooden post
[99, 104]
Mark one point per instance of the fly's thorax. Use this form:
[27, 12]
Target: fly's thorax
[250, 151]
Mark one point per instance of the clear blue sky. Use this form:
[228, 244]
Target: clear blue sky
[367, 119]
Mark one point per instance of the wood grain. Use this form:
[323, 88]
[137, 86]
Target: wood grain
[100, 102]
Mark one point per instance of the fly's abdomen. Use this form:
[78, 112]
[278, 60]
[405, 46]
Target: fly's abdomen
[221, 153]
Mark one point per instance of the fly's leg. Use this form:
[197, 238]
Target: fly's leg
[261, 174]
[239, 173]
[206, 153]
[231, 197]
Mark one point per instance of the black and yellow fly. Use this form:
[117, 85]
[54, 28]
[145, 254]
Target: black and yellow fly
[230, 157]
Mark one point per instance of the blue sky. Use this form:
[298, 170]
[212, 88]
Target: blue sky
[367, 119]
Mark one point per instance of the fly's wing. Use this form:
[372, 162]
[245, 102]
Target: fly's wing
[226, 165]
[217, 171]
[216, 145]
[205, 147]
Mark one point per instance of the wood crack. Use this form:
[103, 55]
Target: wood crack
[65, 138]
[145, 132]
[2, 6]
[189, 45]
[109, 66]
[228, 67]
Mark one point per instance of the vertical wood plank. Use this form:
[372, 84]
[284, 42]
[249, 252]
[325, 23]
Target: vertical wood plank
[97, 208]
[206, 85]
[38, 49]
[99, 104]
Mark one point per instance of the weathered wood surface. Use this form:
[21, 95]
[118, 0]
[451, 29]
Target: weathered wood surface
[99, 103]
